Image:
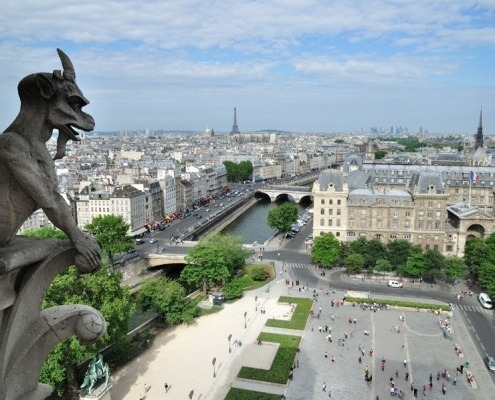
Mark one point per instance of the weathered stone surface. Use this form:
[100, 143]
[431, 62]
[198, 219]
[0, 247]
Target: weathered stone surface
[28, 182]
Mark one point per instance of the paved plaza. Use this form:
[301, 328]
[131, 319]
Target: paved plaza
[182, 356]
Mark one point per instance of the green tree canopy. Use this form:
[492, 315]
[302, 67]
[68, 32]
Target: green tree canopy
[282, 217]
[325, 250]
[435, 264]
[380, 154]
[168, 298]
[455, 268]
[206, 266]
[238, 171]
[475, 253]
[110, 232]
[231, 248]
[398, 252]
[416, 265]
[354, 263]
[101, 290]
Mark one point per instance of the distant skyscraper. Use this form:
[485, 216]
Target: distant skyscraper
[235, 128]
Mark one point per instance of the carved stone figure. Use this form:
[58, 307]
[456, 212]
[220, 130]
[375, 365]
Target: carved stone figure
[28, 182]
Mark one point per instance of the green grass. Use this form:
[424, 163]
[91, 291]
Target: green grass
[243, 394]
[400, 303]
[251, 284]
[300, 316]
[283, 361]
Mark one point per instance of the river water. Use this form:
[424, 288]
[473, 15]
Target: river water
[252, 225]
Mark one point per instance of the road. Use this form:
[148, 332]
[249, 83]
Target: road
[479, 321]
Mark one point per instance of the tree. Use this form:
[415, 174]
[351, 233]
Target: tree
[435, 264]
[383, 266]
[238, 171]
[283, 217]
[168, 298]
[416, 265]
[231, 248]
[110, 232]
[487, 277]
[380, 154]
[325, 249]
[233, 289]
[475, 252]
[354, 263]
[206, 265]
[101, 290]
[398, 252]
[455, 268]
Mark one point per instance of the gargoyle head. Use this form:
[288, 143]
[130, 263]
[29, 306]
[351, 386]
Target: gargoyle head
[62, 99]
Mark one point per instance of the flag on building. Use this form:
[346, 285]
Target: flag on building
[475, 178]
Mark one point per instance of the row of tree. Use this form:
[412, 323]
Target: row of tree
[238, 172]
[398, 256]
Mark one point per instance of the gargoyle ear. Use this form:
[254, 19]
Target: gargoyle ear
[45, 87]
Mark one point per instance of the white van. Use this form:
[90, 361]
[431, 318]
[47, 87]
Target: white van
[485, 301]
[394, 284]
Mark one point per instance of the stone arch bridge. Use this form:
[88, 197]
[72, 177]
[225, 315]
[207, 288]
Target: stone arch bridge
[276, 192]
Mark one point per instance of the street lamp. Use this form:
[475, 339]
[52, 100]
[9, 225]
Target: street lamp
[228, 338]
[213, 363]
[245, 323]
[255, 303]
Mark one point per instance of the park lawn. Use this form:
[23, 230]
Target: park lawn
[282, 362]
[243, 394]
[300, 316]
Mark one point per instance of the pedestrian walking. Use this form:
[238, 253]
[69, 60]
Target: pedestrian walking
[324, 387]
[444, 388]
[405, 363]
[454, 382]
[407, 376]
[360, 360]
[396, 373]
[166, 387]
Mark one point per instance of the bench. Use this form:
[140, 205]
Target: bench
[471, 380]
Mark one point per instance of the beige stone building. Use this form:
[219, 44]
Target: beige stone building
[406, 203]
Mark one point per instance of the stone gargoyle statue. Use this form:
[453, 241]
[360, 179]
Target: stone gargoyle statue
[28, 182]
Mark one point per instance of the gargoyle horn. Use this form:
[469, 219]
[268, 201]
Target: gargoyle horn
[69, 71]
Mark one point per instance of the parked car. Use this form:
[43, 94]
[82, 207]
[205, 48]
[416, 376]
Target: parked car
[395, 284]
[490, 363]
[153, 240]
[485, 301]
[139, 241]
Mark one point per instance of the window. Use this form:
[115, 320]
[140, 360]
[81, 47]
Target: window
[363, 213]
[322, 222]
[351, 234]
[438, 214]
[396, 214]
[338, 211]
[322, 211]
[337, 233]
[379, 213]
[330, 222]
[430, 214]
[449, 247]
[330, 211]
[338, 222]
[393, 236]
[435, 247]
[406, 236]
[322, 201]
[408, 213]
[338, 202]
[330, 201]
[351, 223]
[395, 225]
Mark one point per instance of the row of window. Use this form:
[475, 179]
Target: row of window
[330, 202]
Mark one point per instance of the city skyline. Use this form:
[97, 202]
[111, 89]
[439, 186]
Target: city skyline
[298, 65]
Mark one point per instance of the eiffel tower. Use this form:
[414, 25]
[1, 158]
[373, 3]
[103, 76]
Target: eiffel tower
[235, 128]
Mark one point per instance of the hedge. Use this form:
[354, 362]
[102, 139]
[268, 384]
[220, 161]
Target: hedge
[282, 362]
[243, 394]
[400, 303]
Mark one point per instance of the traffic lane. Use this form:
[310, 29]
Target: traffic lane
[482, 327]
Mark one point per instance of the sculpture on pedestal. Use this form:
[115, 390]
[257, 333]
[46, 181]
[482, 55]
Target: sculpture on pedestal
[97, 371]
[28, 182]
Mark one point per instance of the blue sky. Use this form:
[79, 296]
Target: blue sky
[296, 65]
